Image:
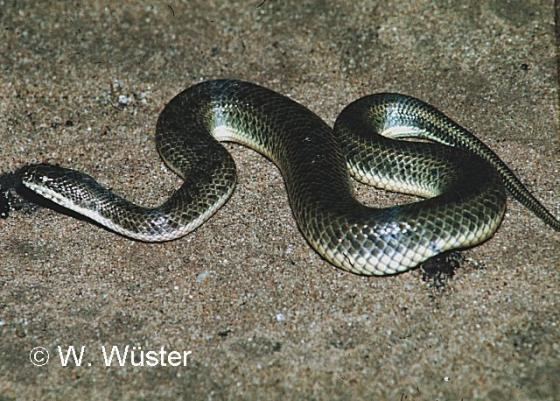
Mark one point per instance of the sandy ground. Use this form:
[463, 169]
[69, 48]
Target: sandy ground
[258, 314]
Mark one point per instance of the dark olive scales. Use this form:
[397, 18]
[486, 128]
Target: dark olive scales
[462, 178]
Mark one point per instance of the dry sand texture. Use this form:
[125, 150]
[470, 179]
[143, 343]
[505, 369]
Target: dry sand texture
[262, 315]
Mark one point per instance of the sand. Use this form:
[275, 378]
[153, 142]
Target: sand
[256, 313]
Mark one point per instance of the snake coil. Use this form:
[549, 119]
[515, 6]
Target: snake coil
[463, 180]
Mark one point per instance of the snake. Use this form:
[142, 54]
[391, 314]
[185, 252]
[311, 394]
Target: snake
[459, 182]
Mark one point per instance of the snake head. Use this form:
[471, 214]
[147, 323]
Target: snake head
[68, 188]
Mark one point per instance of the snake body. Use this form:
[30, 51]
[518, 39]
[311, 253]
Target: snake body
[463, 180]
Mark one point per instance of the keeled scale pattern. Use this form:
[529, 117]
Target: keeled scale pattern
[468, 195]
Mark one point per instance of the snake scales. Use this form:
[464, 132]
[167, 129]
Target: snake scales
[463, 180]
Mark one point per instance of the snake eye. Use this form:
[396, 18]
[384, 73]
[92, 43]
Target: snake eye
[41, 174]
